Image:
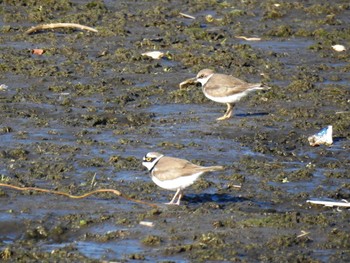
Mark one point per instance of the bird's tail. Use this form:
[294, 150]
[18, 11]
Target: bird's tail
[259, 86]
[213, 168]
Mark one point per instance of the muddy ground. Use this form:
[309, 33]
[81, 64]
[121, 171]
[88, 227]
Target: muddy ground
[82, 115]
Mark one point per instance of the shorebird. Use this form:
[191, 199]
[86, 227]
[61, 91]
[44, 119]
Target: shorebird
[223, 88]
[173, 173]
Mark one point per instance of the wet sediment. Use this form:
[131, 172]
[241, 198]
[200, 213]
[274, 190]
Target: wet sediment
[81, 116]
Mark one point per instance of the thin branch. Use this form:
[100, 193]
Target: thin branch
[303, 233]
[330, 203]
[116, 192]
[60, 25]
[187, 16]
[249, 38]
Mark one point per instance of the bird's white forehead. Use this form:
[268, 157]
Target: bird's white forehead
[151, 159]
[153, 155]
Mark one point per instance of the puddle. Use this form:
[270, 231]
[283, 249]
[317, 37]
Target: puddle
[109, 251]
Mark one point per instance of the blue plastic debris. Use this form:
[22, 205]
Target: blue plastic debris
[322, 137]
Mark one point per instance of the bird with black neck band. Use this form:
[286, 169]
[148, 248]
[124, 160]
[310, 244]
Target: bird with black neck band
[174, 174]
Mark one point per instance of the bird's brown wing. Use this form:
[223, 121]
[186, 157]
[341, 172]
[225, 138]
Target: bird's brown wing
[229, 85]
[171, 168]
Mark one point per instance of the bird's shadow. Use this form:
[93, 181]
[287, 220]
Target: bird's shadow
[217, 198]
[255, 114]
[338, 139]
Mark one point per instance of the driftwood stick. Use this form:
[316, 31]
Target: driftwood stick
[116, 192]
[60, 25]
[249, 38]
[187, 16]
[330, 203]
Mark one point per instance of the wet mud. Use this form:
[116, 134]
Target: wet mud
[82, 115]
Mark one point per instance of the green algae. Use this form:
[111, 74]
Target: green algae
[151, 240]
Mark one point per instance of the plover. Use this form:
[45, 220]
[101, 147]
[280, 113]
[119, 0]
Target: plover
[173, 173]
[223, 88]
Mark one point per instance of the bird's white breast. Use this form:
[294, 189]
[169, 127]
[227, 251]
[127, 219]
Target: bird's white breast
[228, 99]
[180, 182]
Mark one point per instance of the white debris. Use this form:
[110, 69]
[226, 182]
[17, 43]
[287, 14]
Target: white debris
[154, 54]
[344, 203]
[339, 48]
[322, 137]
[147, 223]
[3, 87]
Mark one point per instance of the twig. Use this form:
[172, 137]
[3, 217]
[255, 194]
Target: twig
[303, 233]
[187, 16]
[249, 38]
[116, 192]
[59, 25]
[330, 203]
[93, 181]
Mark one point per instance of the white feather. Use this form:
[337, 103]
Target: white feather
[178, 183]
[232, 98]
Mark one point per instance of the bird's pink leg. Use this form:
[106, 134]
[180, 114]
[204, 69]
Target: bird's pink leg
[178, 200]
[172, 200]
[228, 112]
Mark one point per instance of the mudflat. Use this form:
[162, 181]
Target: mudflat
[80, 109]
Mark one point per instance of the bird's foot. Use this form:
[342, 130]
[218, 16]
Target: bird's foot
[172, 203]
[228, 112]
[225, 117]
